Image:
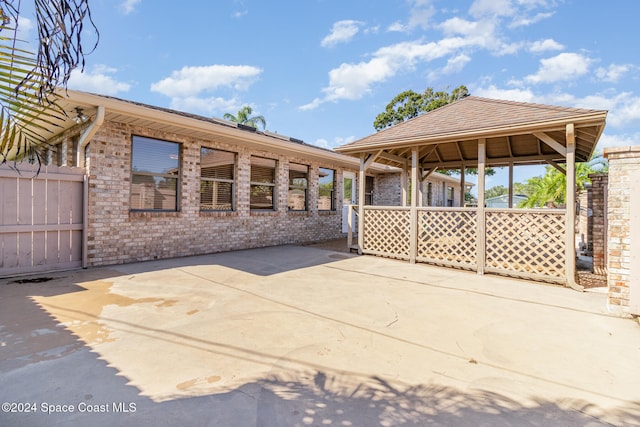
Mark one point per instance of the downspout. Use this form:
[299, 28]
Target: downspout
[88, 133]
[81, 157]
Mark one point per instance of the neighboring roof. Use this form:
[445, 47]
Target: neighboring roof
[191, 125]
[437, 176]
[448, 136]
[505, 197]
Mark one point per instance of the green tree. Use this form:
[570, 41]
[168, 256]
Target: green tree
[495, 191]
[409, 104]
[244, 117]
[28, 98]
[550, 189]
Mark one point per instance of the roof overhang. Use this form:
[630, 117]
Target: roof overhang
[192, 126]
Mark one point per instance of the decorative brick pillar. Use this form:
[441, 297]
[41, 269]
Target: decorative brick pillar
[623, 213]
[598, 221]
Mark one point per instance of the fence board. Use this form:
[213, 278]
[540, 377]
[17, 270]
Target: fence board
[41, 219]
[39, 248]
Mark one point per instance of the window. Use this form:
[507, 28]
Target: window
[155, 170]
[298, 184]
[429, 194]
[368, 190]
[327, 184]
[449, 196]
[263, 184]
[217, 180]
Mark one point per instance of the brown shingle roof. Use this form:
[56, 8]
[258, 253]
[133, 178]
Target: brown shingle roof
[497, 120]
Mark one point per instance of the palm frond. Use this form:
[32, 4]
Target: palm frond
[28, 101]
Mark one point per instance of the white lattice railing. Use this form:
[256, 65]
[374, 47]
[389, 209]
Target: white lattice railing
[525, 243]
[447, 236]
[530, 242]
[387, 231]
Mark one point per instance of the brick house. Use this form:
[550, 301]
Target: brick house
[162, 183]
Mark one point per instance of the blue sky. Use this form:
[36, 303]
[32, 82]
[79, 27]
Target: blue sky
[321, 70]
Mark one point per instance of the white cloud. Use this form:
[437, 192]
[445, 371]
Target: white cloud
[419, 17]
[544, 45]
[242, 9]
[353, 81]
[481, 34]
[128, 6]
[520, 95]
[622, 140]
[337, 141]
[491, 8]
[613, 73]
[565, 66]
[623, 108]
[454, 65]
[398, 27]
[312, 105]
[341, 32]
[205, 105]
[98, 80]
[190, 81]
[421, 13]
[522, 21]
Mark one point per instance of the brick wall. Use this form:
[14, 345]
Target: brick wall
[584, 225]
[624, 222]
[118, 235]
[387, 190]
[598, 230]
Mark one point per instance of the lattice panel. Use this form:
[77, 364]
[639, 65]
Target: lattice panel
[526, 242]
[447, 236]
[387, 232]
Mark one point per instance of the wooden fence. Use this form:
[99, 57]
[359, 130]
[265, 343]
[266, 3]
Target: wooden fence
[41, 219]
[528, 243]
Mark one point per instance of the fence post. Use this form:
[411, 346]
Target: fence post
[413, 221]
[481, 241]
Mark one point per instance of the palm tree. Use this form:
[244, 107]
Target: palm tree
[28, 99]
[244, 117]
[550, 189]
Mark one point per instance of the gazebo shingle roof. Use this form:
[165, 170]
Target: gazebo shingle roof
[448, 135]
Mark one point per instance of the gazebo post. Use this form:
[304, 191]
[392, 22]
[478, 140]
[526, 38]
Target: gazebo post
[510, 203]
[480, 220]
[570, 214]
[361, 181]
[462, 186]
[413, 230]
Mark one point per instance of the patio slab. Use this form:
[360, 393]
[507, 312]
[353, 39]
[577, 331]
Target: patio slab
[291, 335]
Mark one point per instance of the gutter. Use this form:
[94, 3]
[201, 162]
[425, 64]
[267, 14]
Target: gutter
[88, 133]
[85, 138]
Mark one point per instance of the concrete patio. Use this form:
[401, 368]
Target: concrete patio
[291, 335]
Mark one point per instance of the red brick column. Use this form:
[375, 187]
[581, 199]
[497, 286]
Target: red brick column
[598, 225]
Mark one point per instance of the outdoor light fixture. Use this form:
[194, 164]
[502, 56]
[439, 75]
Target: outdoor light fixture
[80, 116]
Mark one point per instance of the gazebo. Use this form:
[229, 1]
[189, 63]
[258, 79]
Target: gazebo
[478, 132]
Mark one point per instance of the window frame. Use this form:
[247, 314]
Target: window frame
[231, 181]
[177, 177]
[368, 195]
[273, 185]
[332, 191]
[293, 187]
[450, 193]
